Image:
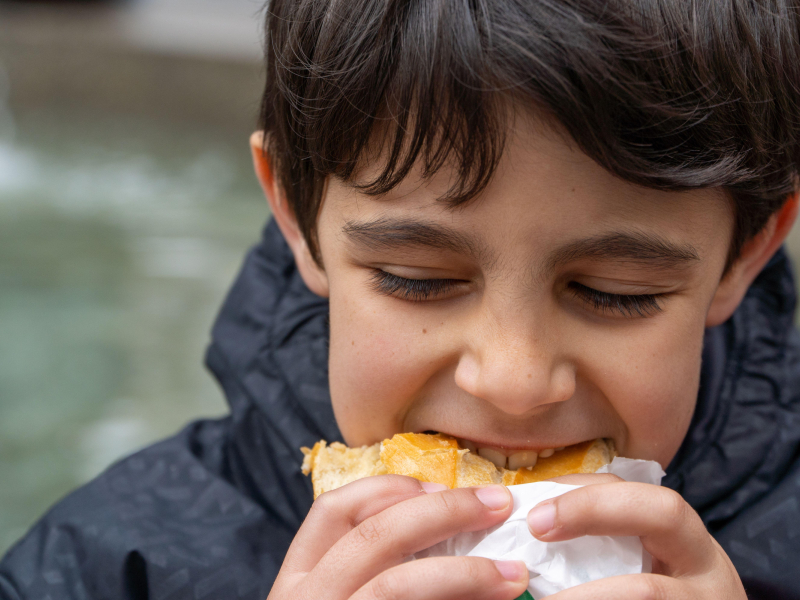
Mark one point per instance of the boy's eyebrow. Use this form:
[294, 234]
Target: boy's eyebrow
[637, 247]
[386, 234]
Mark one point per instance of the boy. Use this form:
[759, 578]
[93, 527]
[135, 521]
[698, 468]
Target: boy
[522, 224]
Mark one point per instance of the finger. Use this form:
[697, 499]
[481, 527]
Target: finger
[448, 578]
[385, 539]
[631, 587]
[587, 478]
[668, 527]
[337, 512]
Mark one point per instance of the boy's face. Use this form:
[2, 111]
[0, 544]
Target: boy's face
[561, 305]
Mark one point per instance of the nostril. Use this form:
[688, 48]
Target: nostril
[515, 382]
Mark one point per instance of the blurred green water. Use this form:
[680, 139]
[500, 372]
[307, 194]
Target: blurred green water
[118, 240]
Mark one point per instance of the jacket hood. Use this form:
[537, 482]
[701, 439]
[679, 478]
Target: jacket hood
[745, 433]
[269, 352]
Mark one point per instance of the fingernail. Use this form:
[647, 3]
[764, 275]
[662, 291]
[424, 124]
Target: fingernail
[512, 570]
[542, 518]
[431, 488]
[495, 497]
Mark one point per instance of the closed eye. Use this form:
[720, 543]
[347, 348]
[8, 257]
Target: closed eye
[414, 290]
[420, 290]
[626, 305]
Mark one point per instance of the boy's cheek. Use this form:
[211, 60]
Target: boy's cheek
[653, 388]
[377, 366]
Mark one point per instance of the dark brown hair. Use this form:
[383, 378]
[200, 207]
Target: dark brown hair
[670, 94]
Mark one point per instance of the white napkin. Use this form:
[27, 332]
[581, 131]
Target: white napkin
[556, 566]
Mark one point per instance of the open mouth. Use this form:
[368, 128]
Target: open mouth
[437, 457]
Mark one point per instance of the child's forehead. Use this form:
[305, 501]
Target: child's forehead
[523, 130]
[544, 170]
[548, 198]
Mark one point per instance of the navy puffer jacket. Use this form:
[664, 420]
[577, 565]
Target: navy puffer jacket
[210, 512]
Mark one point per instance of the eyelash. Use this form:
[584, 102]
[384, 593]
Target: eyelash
[419, 290]
[415, 290]
[627, 305]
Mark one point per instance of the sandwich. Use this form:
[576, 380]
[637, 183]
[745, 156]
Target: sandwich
[441, 459]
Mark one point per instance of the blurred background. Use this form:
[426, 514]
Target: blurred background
[127, 202]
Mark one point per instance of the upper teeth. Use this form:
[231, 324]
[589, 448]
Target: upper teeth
[526, 458]
[495, 456]
[518, 460]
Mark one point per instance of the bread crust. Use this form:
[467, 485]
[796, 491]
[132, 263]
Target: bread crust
[438, 458]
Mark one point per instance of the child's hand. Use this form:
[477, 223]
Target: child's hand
[687, 562]
[354, 540]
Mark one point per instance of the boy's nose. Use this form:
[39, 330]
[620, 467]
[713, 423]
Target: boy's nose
[514, 371]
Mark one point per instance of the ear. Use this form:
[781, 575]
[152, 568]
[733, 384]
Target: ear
[313, 275]
[754, 256]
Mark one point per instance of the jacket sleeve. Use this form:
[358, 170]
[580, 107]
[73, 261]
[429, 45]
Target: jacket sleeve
[67, 557]
[764, 542]
[163, 524]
